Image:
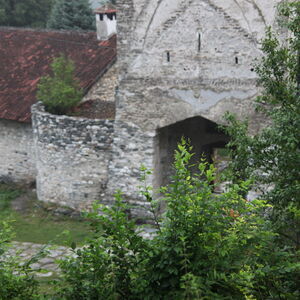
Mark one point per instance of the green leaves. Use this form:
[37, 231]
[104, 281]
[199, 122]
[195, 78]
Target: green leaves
[207, 245]
[16, 280]
[71, 15]
[60, 92]
[271, 158]
[25, 13]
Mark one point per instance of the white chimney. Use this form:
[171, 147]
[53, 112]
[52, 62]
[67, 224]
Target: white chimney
[106, 22]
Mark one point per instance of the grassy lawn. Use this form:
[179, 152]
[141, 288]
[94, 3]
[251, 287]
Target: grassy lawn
[34, 224]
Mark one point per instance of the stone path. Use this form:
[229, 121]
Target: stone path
[49, 264]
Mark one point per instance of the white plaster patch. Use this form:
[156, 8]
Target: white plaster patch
[209, 98]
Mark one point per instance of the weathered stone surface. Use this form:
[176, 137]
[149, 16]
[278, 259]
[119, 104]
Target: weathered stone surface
[211, 45]
[17, 161]
[179, 60]
[72, 157]
[104, 89]
[132, 148]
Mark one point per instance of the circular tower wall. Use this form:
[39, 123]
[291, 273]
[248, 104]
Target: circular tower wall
[72, 158]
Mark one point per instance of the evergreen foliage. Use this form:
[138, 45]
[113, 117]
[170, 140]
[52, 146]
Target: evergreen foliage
[60, 92]
[25, 13]
[100, 3]
[71, 15]
[272, 157]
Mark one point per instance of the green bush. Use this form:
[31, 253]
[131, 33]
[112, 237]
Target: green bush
[272, 156]
[16, 280]
[207, 246]
[60, 92]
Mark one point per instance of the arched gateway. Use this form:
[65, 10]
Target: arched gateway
[204, 135]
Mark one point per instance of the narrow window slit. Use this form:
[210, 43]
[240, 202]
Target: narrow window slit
[168, 56]
[236, 60]
[199, 42]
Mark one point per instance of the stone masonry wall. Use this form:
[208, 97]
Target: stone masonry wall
[17, 154]
[72, 158]
[104, 89]
[186, 58]
[180, 59]
[132, 149]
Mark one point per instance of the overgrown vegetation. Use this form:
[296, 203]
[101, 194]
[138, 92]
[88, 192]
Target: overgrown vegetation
[32, 223]
[7, 194]
[60, 92]
[207, 246]
[16, 279]
[271, 158]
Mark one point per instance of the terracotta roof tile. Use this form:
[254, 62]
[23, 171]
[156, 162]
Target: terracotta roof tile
[106, 9]
[26, 55]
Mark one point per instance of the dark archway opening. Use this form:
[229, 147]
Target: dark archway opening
[205, 137]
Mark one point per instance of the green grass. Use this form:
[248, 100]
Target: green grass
[45, 285]
[36, 225]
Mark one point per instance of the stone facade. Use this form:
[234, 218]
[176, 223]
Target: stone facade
[187, 62]
[181, 59]
[132, 149]
[17, 153]
[72, 158]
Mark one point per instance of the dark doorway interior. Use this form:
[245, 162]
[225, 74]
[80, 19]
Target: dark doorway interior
[205, 137]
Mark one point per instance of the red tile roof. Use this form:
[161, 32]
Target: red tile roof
[105, 9]
[26, 55]
[102, 11]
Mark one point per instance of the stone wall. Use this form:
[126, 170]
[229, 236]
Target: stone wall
[132, 149]
[72, 158]
[104, 88]
[17, 161]
[180, 59]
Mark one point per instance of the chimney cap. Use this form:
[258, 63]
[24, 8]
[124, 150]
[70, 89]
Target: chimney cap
[105, 9]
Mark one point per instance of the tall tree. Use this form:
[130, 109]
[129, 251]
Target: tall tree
[71, 14]
[272, 157]
[29, 13]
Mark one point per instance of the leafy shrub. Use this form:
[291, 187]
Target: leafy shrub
[60, 92]
[272, 157]
[16, 280]
[207, 246]
[104, 269]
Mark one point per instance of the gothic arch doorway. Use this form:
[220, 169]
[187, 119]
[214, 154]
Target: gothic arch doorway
[205, 137]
